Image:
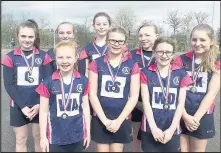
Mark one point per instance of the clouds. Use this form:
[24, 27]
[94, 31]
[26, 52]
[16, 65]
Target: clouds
[76, 11]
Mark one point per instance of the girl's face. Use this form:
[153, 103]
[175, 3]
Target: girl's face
[147, 37]
[65, 58]
[164, 54]
[200, 41]
[65, 33]
[26, 38]
[116, 43]
[101, 26]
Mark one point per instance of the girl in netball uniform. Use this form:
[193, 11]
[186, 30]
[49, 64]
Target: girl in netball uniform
[114, 80]
[23, 70]
[202, 62]
[64, 106]
[163, 90]
[66, 33]
[97, 48]
[147, 34]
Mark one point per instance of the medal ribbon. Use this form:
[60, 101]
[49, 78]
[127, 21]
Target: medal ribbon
[26, 61]
[110, 71]
[98, 50]
[64, 105]
[142, 58]
[194, 77]
[165, 93]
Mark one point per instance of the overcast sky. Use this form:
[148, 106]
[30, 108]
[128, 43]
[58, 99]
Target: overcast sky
[76, 11]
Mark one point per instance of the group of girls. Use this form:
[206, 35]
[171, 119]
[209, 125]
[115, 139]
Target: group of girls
[109, 94]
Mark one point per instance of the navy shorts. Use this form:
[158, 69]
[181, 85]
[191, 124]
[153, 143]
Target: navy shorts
[148, 144]
[136, 115]
[18, 119]
[206, 130]
[100, 134]
[74, 147]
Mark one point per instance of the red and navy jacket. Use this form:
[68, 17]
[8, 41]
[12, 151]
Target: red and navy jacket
[136, 55]
[113, 102]
[16, 75]
[71, 130]
[90, 52]
[193, 100]
[162, 117]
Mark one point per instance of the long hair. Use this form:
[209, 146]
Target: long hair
[37, 39]
[209, 59]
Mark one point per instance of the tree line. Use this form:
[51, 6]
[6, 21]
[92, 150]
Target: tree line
[179, 23]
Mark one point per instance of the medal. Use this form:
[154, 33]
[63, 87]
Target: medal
[30, 68]
[64, 101]
[113, 77]
[113, 88]
[142, 58]
[64, 116]
[193, 89]
[166, 105]
[30, 80]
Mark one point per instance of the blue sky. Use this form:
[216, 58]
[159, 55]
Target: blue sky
[76, 11]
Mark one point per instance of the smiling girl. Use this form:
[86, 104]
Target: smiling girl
[97, 48]
[163, 91]
[202, 62]
[64, 106]
[23, 70]
[115, 80]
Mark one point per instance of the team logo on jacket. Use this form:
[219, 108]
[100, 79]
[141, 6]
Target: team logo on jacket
[185, 65]
[152, 82]
[126, 70]
[38, 61]
[54, 90]
[79, 88]
[176, 80]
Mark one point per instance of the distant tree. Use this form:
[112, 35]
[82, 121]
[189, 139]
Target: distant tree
[174, 20]
[218, 37]
[187, 25]
[147, 22]
[83, 33]
[8, 28]
[43, 23]
[24, 16]
[159, 27]
[201, 17]
[47, 38]
[126, 18]
[180, 42]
